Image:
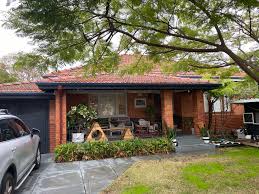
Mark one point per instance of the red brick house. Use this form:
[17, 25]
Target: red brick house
[44, 103]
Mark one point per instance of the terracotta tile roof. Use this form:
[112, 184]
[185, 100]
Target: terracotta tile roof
[150, 78]
[193, 74]
[20, 87]
[76, 75]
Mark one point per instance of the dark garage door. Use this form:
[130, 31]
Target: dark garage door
[34, 113]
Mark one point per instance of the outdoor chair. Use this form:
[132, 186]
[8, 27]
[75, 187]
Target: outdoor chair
[119, 124]
[145, 129]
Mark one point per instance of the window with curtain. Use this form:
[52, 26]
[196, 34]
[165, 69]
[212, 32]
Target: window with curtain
[109, 105]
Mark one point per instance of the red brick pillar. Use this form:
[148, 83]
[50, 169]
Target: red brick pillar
[58, 94]
[167, 109]
[198, 111]
[61, 119]
[52, 125]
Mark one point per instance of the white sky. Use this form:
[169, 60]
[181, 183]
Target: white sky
[9, 42]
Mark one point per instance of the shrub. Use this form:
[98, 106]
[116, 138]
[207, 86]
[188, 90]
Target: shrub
[204, 132]
[99, 150]
[80, 117]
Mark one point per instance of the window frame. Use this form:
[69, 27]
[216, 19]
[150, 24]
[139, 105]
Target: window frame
[248, 113]
[140, 106]
[219, 105]
[15, 133]
[256, 119]
[24, 126]
[115, 95]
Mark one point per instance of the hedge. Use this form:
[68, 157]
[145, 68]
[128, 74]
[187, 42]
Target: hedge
[115, 149]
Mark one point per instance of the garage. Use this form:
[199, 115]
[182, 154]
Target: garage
[34, 112]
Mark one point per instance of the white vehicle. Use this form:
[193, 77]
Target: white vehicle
[19, 152]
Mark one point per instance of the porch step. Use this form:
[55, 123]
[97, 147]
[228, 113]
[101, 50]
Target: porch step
[189, 140]
[190, 144]
[195, 148]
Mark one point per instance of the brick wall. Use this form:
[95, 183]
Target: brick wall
[183, 103]
[60, 118]
[134, 112]
[57, 122]
[228, 120]
[198, 110]
[63, 117]
[167, 109]
[75, 99]
[52, 126]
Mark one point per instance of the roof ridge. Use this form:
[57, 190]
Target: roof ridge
[63, 70]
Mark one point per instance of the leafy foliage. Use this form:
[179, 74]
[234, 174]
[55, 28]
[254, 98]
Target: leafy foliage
[171, 134]
[6, 77]
[150, 111]
[31, 66]
[214, 33]
[80, 117]
[204, 132]
[28, 66]
[115, 149]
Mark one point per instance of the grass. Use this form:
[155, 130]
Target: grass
[231, 170]
[138, 189]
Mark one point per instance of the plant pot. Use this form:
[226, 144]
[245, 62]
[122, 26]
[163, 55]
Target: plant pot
[174, 142]
[78, 137]
[206, 139]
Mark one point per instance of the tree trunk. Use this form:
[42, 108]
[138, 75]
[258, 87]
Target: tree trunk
[210, 105]
[244, 65]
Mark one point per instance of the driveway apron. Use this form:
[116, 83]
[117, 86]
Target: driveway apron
[85, 177]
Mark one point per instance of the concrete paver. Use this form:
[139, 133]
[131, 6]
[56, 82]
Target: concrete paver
[86, 177]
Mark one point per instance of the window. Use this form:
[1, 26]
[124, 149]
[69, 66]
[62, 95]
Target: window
[221, 104]
[108, 105]
[227, 104]
[206, 103]
[6, 131]
[248, 118]
[256, 119]
[21, 128]
[217, 106]
[140, 103]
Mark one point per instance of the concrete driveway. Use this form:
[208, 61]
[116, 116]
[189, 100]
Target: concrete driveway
[86, 177]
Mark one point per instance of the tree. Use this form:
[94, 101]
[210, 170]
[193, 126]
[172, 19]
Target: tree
[233, 90]
[28, 66]
[216, 32]
[5, 76]
[31, 66]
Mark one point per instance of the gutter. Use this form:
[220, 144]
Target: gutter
[124, 86]
[26, 95]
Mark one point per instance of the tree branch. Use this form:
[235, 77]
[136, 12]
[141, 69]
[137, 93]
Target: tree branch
[197, 50]
[204, 10]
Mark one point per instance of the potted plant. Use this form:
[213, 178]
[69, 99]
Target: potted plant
[172, 136]
[150, 111]
[205, 135]
[80, 118]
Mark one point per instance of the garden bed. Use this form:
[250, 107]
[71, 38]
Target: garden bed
[100, 150]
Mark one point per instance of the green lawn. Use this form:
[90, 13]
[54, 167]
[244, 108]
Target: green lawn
[231, 170]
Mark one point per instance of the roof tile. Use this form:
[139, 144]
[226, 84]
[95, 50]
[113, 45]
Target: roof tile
[77, 75]
[20, 87]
